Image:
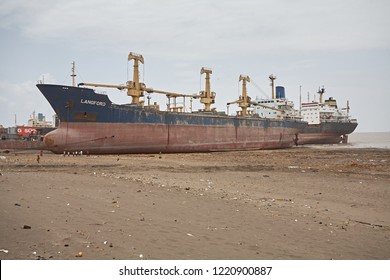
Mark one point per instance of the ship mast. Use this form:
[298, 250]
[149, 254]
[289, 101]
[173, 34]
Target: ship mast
[272, 78]
[321, 92]
[73, 75]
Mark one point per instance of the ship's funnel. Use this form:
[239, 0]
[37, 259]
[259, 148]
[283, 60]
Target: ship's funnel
[280, 92]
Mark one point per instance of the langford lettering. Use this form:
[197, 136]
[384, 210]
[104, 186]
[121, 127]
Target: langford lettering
[93, 102]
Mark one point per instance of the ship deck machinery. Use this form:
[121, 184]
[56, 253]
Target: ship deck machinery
[277, 107]
[91, 122]
[327, 124]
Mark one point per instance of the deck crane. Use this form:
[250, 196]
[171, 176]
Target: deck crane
[207, 97]
[136, 89]
[245, 101]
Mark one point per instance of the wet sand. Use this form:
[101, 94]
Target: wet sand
[321, 202]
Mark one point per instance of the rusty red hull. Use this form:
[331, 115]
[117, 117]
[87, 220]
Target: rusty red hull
[116, 138]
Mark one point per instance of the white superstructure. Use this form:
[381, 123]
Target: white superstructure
[318, 112]
[275, 108]
[278, 107]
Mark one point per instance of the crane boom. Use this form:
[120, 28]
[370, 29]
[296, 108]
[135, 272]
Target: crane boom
[172, 94]
[258, 104]
[268, 107]
[149, 90]
[120, 87]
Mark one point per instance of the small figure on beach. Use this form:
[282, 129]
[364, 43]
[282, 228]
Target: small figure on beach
[38, 158]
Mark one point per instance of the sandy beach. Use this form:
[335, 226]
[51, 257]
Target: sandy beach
[322, 202]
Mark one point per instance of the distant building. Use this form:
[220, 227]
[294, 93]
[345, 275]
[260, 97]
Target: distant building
[36, 128]
[39, 121]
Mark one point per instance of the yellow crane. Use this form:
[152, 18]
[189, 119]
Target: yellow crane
[136, 89]
[207, 97]
[244, 100]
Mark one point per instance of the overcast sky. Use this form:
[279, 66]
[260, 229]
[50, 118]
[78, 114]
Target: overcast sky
[343, 45]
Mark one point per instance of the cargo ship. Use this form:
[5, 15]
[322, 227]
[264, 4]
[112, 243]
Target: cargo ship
[327, 124]
[91, 123]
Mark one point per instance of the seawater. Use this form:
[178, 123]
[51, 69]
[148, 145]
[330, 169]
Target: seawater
[380, 140]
